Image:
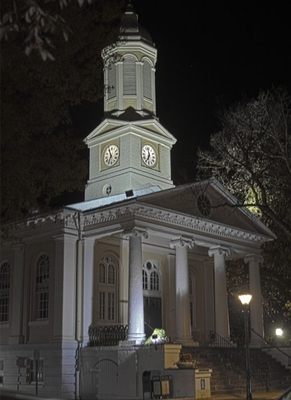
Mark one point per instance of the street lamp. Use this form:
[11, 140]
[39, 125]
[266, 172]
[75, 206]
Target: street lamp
[279, 332]
[245, 299]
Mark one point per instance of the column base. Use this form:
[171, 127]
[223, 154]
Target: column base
[138, 338]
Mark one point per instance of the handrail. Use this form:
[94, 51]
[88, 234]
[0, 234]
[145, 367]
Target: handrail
[269, 345]
[216, 340]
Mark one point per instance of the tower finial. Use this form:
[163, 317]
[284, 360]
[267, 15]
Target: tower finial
[129, 7]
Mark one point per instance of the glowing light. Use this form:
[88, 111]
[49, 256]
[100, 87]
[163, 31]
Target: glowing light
[245, 298]
[279, 332]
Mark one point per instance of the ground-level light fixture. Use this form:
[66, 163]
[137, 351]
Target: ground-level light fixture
[245, 299]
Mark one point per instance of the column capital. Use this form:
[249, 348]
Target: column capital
[136, 232]
[253, 257]
[182, 242]
[219, 250]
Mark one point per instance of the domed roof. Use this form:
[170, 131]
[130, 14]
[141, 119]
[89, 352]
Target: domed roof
[130, 28]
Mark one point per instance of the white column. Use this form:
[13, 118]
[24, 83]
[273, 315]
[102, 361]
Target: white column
[220, 291]
[183, 321]
[16, 314]
[88, 280]
[135, 295]
[256, 304]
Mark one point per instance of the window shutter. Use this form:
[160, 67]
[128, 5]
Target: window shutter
[111, 81]
[147, 81]
[129, 77]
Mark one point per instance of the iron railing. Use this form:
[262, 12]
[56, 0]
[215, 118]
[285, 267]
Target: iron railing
[216, 340]
[107, 335]
[268, 345]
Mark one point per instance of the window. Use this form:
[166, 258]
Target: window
[4, 291]
[151, 278]
[34, 367]
[42, 287]
[147, 80]
[107, 289]
[129, 76]
[152, 296]
[111, 81]
[155, 284]
[144, 280]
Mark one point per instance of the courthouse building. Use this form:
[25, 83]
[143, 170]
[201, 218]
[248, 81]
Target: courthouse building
[138, 253]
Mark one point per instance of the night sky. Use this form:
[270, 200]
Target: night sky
[210, 56]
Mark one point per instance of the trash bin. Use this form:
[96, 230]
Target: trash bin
[161, 386]
[202, 383]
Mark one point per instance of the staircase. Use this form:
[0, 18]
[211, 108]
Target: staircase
[228, 369]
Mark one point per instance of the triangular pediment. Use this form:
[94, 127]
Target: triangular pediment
[146, 127]
[190, 199]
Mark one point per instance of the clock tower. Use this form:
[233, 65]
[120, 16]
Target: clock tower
[130, 149]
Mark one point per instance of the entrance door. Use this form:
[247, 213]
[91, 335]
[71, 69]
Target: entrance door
[152, 314]
[152, 292]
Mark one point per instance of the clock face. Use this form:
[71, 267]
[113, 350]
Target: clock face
[111, 155]
[148, 155]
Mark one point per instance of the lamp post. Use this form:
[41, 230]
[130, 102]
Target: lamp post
[245, 301]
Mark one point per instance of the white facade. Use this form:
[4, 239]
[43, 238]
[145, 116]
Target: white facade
[137, 252]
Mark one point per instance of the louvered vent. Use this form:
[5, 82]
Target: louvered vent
[147, 82]
[111, 81]
[129, 77]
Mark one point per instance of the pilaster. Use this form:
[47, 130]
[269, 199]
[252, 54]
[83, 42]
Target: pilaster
[88, 280]
[16, 298]
[64, 315]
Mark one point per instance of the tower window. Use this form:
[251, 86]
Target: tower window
[129, 76]
[42, 287]
[111, 89]
[147, 80]
[4, 292]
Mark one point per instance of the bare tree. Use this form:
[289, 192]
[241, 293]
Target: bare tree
[251, 155]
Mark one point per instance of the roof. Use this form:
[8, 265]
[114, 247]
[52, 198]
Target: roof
[130, 29]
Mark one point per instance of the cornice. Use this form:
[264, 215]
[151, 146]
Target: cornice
[153, 214]
[121, 214]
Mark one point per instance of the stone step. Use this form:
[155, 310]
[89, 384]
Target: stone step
[228, 366]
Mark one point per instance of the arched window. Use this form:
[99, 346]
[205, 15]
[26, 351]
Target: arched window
[151, 278]
[42, 287]
[4, 291]
[107, 289]
[147, 80]
[129, 76]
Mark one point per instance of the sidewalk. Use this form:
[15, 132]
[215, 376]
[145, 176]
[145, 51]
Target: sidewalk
[273, 395]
